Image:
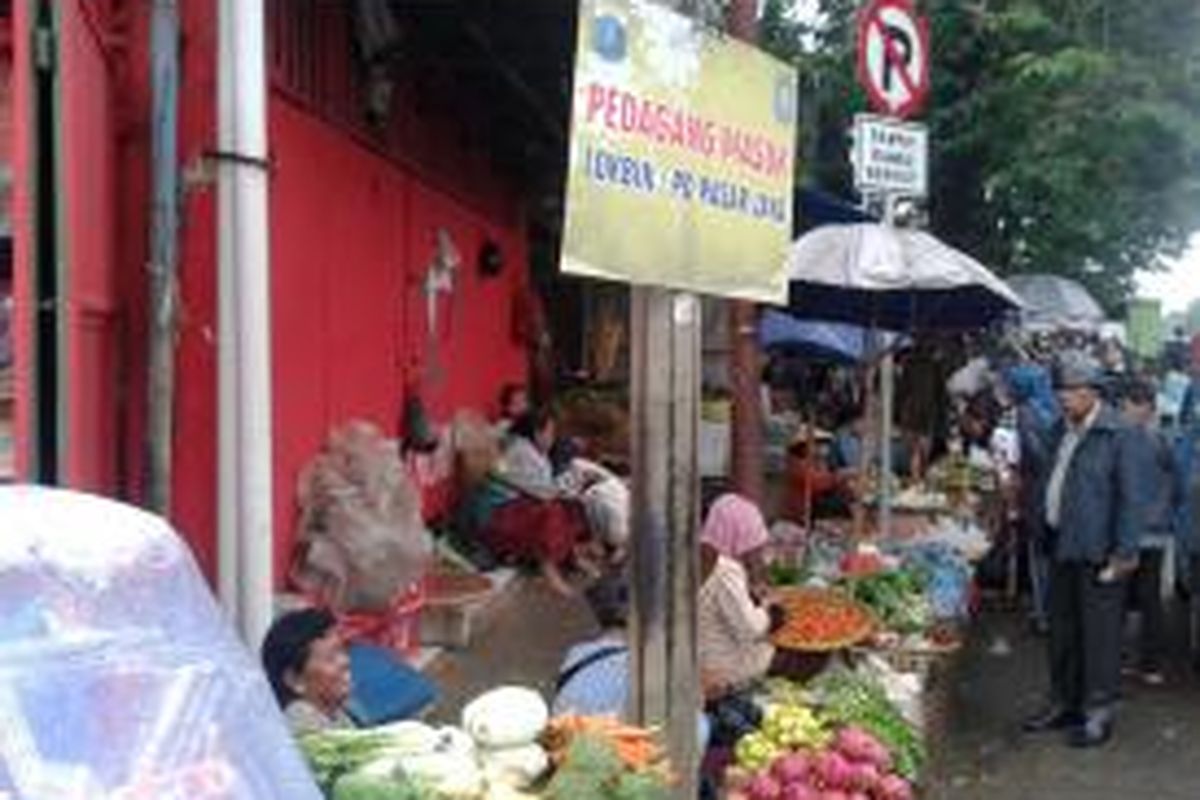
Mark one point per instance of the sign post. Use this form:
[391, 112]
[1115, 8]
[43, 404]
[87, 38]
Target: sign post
[680, 180]
[891, 157]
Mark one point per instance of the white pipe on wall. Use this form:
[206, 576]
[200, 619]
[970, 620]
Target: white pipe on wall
[244, 357]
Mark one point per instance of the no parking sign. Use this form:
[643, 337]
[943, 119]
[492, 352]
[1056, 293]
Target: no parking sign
[893, 56]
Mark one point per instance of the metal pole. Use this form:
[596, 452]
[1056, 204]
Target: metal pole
[887, 395]
[164, 231]
[244, 360]
[747, 428]
[665, 366]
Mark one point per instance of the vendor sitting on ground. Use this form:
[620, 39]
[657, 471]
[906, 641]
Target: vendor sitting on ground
[522, 515]
[309, 670]
[734, 622]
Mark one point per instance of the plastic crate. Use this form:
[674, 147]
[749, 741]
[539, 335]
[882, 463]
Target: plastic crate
[398, 629]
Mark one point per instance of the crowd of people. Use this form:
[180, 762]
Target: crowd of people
[1098, 459]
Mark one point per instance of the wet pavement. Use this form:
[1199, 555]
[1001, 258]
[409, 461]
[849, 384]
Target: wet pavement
[529, 632]
[1155, 753]
[981, 756]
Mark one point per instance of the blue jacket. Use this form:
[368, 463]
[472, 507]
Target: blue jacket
[1103, 501]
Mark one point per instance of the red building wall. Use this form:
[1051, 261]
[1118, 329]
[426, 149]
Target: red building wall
[353, 229]
[354, 225]
[352, 237]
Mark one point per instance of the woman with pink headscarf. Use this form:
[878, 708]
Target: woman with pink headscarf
[734, 625]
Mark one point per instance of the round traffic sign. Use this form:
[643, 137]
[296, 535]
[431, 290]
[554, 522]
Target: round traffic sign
[893, 56]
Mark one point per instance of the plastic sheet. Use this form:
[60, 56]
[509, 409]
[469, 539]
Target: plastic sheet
[120, 679]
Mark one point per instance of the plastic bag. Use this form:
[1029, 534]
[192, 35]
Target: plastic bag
[605, 497]
[361, 539]
[119, 677]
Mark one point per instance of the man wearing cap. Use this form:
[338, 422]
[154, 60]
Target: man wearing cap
[1093, 514]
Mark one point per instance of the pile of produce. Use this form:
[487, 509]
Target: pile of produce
[593, 768]
[897, 597]
[507, 748]
[785, 728]
[798, 756]
[635, 747]
[856, 700]
[822, 620]
[495, 755]
[854, 767]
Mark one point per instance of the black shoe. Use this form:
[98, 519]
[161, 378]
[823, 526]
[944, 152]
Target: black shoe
[1053, 718]
[1095, 731]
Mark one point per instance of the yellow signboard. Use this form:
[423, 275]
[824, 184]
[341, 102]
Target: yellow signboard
[682, 155]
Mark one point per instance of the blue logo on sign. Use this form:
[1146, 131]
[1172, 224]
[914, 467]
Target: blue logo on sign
[609, 39]
[785, 100]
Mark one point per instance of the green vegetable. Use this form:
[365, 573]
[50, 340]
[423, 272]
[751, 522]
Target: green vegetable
[332, 754]
[897, 598]
[640, 786]
[779, 574]
[363, 786]
[850, 699]
[592, 770]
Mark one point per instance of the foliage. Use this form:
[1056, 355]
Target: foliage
[1065, 133]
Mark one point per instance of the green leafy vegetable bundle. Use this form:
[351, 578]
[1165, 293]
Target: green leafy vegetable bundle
[897, 597]
[850, 699]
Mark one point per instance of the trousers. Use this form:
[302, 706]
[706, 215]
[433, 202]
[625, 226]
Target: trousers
[1086, 619]
[1147, 594]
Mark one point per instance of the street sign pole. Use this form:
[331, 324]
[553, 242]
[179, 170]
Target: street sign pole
[891, 159]
[887, 400]
[665, 365]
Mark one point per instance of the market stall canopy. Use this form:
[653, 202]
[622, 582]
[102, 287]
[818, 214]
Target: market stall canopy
[892, 278]
[119, 675]
[818, 340]
[1052, 301]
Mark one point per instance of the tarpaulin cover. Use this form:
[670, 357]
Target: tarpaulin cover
[119, 677]
[821, 341]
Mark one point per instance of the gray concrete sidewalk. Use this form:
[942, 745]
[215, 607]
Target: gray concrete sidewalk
[1156, 752]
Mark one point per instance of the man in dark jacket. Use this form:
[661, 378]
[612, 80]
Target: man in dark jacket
[1093, 524]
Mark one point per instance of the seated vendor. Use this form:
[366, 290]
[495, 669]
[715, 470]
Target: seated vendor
[521, 513]
[309, 670]
[594, 679]
[514, 404]
[733, 626]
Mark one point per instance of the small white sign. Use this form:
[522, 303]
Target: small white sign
[891, 156]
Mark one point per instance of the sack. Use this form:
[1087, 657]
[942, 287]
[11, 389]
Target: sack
[361, 538]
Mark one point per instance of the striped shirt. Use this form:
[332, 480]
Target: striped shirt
[599, 689]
